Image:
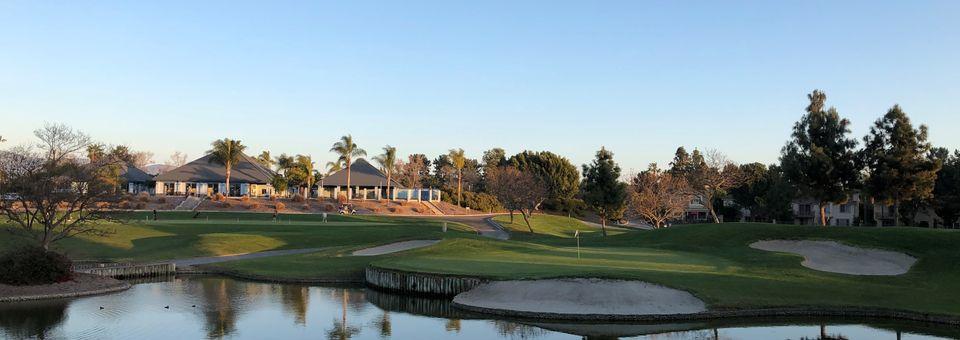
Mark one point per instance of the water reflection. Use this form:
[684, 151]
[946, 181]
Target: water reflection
[215, 308]
[32, 319]
[341, 330]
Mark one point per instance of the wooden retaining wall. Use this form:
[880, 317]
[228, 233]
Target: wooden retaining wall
[420, 283]
[127, 270]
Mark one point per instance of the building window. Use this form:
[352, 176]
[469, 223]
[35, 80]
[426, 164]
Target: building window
[843, 208]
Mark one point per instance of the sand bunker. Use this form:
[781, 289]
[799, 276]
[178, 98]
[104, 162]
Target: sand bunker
[581, 297]
[834, 257]
[395, 247]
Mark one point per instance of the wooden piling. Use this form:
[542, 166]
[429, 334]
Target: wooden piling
[127, 270]
[420, 283]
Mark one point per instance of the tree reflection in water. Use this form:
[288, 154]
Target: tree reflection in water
[296, 299]
[383, 325]
[341, 330]
[452, 325]
[32, 320]
[825, 336]
[513, 330]
[223, 302]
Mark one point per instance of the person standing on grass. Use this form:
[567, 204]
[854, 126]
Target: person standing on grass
[324, 217]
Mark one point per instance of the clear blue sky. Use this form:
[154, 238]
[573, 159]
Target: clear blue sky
[568, 76]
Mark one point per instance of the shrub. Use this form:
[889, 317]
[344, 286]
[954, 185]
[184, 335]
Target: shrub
[392, 209]
[273, 198]
[481, 201]
[33, 265]
[124, 204]
[306, 206]
[419, 210]
[219, 197]
[342, 198]
[245, 198]
[162, 200]
[141, 205]
[144, 198]
[329, 207]
[298, 198]
[570, 206]
[225, 204]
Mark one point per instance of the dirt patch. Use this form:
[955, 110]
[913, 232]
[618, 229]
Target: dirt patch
[830, 256]
[81, 285]
[395, 247]
[581, 297]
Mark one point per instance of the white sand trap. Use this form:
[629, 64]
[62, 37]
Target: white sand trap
[582, 297]
[834, 257]
[394, 247]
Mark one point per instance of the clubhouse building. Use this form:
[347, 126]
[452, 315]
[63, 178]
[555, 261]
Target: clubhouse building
[204, 177]
[137, 181]
[369, 183]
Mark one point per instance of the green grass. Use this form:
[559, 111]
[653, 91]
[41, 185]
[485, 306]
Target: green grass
[179, 235]
[549, 226]
[715, 263]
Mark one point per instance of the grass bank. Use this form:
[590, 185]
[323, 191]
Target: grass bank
[715, 263]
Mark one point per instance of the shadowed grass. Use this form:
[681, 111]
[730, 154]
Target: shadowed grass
[180, 235]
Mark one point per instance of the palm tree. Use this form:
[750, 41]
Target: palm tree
[266, 160]
[347, 150]
[95, 152]
[459, 160]
[334, 167]
[305, 164]
[284, 163]
[388, 162]
[226, 152]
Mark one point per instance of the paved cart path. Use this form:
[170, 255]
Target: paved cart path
[394, 247]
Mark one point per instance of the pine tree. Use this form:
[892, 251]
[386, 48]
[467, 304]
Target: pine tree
[896, 158]
[946, 190]
[820, 159]
[602, 189]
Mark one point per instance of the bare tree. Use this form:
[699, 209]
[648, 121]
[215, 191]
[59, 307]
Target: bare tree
[658, 196]
[713, 178]
[141, 159]
[59, 141]
[517, 191]
[177, 159]
[49, 196]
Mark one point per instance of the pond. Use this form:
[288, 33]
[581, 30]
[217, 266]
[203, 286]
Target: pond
[198, 307]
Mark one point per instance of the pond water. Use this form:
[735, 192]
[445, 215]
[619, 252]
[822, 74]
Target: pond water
[214, 307]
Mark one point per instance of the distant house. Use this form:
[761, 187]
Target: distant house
[368, 182]
[807, 212]
[203, 177]
[137, 180]
[696, 211]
